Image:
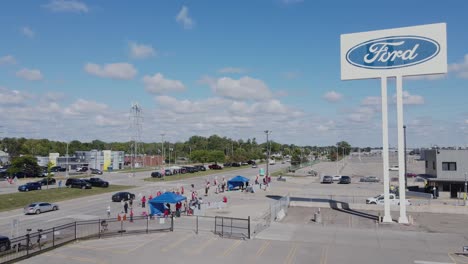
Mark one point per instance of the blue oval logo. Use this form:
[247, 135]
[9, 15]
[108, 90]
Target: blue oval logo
[393, 52]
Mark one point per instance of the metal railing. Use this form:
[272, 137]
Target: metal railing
[42, 240]
[277, 209]
[232, 227]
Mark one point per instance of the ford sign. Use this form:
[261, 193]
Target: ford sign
[393, 52]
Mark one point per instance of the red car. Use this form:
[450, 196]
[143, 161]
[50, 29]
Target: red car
[410, 174]
[215, 167]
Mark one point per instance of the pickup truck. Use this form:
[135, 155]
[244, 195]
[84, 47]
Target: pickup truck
[379, 199]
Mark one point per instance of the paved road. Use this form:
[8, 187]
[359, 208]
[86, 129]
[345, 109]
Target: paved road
[94, 207]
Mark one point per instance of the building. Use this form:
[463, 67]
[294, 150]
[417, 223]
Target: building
[447, 169]
[104, 160]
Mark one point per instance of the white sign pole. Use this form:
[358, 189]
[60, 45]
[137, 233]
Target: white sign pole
[403, 219]
[387, 218]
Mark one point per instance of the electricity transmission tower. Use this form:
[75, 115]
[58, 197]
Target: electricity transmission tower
[136, 115]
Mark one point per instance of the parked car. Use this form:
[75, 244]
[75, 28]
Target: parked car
[122, 196]
[37, 208]
[228, 164]
[394, 168]
[51, 181]
[345, 180]
[336, 178]
[235, 164]
[96, 171]
[97, 182]
[369, 179]
[215, 167]
[379, 199]
[82, 169]
[327, 179]
[30, 186]
[5, 243]
[167, 172]
[78, 183]
[190, 169]
[200, 167]
[254, 166]
[411, 174]
[156, 174]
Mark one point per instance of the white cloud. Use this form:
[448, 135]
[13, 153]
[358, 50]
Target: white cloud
[371, 100]
[157, 84]
[141, 51]
[12, 97]
[28, 32]
[410, 99]
[232, 70]
[121, 71]
[82, 106]
[244, 88]
[180, 106]
[108, 121]
[333, 96]
[184, 19]
[73, 6]
[29, 74]
[461, 69]
[361, 115]
[7, 60]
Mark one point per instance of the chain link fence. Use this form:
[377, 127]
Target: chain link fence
[275, 212]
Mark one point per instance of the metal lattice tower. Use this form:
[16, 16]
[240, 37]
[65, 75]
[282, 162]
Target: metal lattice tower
[136, 126]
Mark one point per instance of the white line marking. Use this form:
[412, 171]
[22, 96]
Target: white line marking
[430, 262]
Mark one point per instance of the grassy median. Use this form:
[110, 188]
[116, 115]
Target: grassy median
[21, 199]
[197, 174]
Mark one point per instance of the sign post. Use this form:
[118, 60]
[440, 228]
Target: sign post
[397, 52]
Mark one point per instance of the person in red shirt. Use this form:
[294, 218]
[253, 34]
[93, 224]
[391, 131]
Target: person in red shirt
[143, 201]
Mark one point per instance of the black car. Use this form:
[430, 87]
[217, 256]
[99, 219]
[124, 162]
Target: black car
[156, 174]
[30, 186]
[190, 169]
[44, 181]
[345, 180]
[5, 243]
[200, 167]
[97, 182]
[77, 183]
[122, 196]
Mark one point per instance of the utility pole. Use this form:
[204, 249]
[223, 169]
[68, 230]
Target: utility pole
[162, 147]
[66, 162]
[136, 115]
[465, 188]
[268, 132]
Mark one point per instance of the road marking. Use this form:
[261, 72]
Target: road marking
[291, 255]
[230, 249]
[11, 216]
[262, 249]
[203, 246]
[431, 262]
[145, 243]
[81, 259]
[324, 256]
[175, 244]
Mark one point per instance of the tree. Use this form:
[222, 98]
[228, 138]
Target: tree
[216, 156]
[26, 164]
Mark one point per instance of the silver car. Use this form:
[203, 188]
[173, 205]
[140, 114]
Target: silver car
[37, 208]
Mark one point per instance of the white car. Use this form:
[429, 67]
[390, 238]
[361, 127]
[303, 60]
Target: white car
[37, 208]
[394, 168]
[336, 178]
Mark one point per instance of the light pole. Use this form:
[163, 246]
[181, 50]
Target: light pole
[268, 132]
[406, 177]
[465, 188]
[66, 162]
[162, 147]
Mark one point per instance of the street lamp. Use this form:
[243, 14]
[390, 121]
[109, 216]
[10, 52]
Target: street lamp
[406, 177]
[465, 188]
[268, 132]
[66, 171]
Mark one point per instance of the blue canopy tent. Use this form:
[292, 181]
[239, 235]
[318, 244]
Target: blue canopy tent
[157, 203]
[237, 181]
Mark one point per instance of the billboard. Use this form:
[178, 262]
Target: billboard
[407, 51]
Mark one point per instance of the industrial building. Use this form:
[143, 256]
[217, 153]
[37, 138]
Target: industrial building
[447, 169]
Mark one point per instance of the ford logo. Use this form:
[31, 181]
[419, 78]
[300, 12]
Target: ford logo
[393, 52]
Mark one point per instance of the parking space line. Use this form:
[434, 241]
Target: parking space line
[96, 248]
[262, 249]
[324, 255]
[203, 246]
[145, 243]
[175, 244]
[291, 254]
[80, 259]
[230, 249]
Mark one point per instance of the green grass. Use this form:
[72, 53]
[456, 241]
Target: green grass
[21, 199]
[194, 175]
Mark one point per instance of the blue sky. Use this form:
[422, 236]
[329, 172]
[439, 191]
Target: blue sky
[70, 69]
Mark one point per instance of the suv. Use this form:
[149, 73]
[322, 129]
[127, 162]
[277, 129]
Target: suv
[215, 167]
[96, 171]
[200, 167]
[97, 182]
[5, 243]
[327, 179]
[122, 196]
[345, 180]
[82, 169]
[77, 183]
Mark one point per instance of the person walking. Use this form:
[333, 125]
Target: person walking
[60, 184]
[108, 211]
[143, 202]
[126, 207]
[207, 188]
